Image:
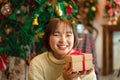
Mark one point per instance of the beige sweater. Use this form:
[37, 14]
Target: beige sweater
[46, 67]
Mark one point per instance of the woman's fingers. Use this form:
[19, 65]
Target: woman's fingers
[68, 72]
[85, 72]
[89, 71]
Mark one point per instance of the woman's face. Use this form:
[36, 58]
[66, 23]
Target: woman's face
[61, 41]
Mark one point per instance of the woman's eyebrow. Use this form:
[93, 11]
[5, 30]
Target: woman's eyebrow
[66, 31]
[69, 32]
[56, 32]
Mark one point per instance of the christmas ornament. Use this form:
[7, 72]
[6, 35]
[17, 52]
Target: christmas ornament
[8, 31]
[73, 22]
[93, 8]
[35, 20]
[6, 9]
[58, 10]
[69, 9]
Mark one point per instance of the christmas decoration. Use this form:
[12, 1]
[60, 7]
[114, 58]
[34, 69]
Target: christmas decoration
[35, 21]
[6, 9]
[112, 12]
[88, 11]
[22, 22]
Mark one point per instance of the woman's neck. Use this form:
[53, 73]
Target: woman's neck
[59, 57]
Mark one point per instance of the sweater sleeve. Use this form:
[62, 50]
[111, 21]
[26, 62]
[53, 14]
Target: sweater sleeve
[35, 71]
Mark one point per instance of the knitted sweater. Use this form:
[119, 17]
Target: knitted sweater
[46, 67]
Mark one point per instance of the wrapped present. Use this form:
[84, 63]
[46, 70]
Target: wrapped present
[80, 61]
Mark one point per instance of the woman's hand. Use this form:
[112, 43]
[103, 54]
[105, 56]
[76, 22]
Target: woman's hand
[68, 73]
[86, 72]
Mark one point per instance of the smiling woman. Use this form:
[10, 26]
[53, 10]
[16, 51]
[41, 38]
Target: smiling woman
[52, 29]
[59, 39]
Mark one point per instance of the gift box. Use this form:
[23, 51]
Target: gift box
[80, 61]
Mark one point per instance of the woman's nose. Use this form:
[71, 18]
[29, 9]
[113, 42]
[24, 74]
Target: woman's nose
[63, 39]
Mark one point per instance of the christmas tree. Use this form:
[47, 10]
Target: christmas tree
[22, 22]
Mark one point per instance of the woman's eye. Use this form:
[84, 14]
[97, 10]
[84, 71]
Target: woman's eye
[68, 35]
[55, 34]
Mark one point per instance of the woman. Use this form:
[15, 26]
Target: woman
[59, 39]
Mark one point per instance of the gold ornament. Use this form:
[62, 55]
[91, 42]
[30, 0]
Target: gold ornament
[93, 8]
[109, 23]
[35, 21]
[59, 11]
[73, 21]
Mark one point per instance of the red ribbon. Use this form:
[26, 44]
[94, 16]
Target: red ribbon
[78, 53]
[83, 61]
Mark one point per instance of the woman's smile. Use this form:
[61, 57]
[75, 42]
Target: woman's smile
[62, 47]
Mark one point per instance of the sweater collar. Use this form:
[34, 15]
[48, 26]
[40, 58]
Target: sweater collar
[55, 60]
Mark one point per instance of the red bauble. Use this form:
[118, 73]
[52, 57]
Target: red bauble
[69, 10]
